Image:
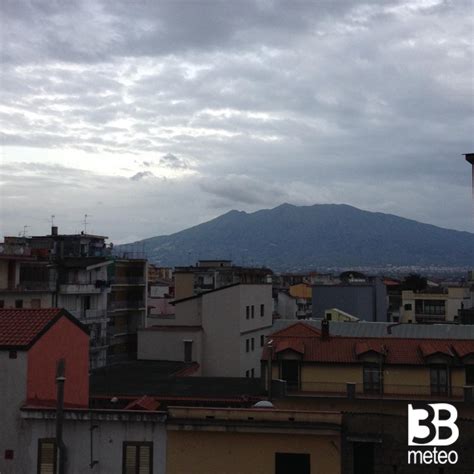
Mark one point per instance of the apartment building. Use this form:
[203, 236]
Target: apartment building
[78, 272]
[435, 305]
[25, 281]
[209, 275]
[314, 361]
[365, 299]
[127, 306]
[223, 330]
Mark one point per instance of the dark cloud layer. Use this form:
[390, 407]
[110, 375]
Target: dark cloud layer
[239, 104]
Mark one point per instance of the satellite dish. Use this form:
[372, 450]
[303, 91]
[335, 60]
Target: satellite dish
[264, 404]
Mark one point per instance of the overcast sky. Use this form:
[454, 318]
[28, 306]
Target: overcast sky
[152, 116]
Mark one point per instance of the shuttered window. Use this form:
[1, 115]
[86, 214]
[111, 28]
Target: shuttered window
[47, 456]
[137, 458]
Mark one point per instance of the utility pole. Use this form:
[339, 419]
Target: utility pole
[470, 159]
[60, 381]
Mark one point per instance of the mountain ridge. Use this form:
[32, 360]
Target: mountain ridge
[290, 236]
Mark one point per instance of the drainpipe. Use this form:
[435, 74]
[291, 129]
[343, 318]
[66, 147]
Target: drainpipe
[60, 380]
[269, 367]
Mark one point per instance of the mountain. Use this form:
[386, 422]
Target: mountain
[303, 237]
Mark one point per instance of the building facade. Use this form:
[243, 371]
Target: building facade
[222, 330]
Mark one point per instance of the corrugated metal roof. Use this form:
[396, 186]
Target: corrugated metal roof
[376, 329]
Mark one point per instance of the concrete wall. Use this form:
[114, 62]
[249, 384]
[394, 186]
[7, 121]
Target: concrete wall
[366, 302]
[108, 441]
[286, 306]
[183, 285]
[12, 397]
[168, 345]
[186, 313]
[255, 327]
[29, 299]
[221, 341]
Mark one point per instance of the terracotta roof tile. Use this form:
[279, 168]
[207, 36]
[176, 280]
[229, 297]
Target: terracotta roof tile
[340, 349]
[20, 327]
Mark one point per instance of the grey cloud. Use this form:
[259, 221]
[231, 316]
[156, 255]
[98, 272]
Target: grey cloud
[243, 189]
[364, 103]
[172, 161]
[142, 175]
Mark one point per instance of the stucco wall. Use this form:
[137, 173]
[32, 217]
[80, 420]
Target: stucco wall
[46, 299]
[108, 441]
[12, 396]
[168, 345]
[237, 453]
[63, 340]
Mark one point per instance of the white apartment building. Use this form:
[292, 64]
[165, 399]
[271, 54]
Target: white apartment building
[223, 330]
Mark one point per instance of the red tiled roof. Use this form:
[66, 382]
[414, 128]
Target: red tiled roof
[347, 350]
[19, 328]
[143, 403]
[464, 348]
[369, 345]
[298, 330]
[430, 348]
[290, 344]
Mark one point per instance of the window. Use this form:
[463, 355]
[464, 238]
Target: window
[292, 463]
[188, 351]
[439, 380]
[262, 310]
[2, 304]
[408, 307]
[262, 340]
[247, 373]
[13, 354]
[253, 311]
[329, 316]
[46, 456]
[470, 375]
[253, 344]
[247, 312]
[290, 371]
[252, 373]
[18, 303]
[363, 458]
[247, 345]
[137, 458]
[372, 379]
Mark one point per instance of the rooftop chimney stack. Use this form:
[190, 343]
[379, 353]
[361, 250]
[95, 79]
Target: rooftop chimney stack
[325, 330]
[54, 230]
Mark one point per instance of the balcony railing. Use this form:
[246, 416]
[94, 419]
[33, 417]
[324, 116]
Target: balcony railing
[127, 304]
[125, 280]
[89, 314]
[35, 286]
[385, 391]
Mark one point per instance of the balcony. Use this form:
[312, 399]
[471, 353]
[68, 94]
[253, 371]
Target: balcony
[382, 391]
[98, 342]
[89, 315]
[121, 305]
[34, 286]
[128, 280]
[430, 317]
[78, 289]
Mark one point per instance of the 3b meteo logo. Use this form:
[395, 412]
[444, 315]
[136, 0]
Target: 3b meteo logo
[432, 424]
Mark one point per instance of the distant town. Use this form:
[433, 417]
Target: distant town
[116, 364]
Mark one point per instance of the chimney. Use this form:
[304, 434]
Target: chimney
[325, 330]
[54, 230]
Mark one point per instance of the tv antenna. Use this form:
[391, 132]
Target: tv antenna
[52, 220]
[85, 222]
